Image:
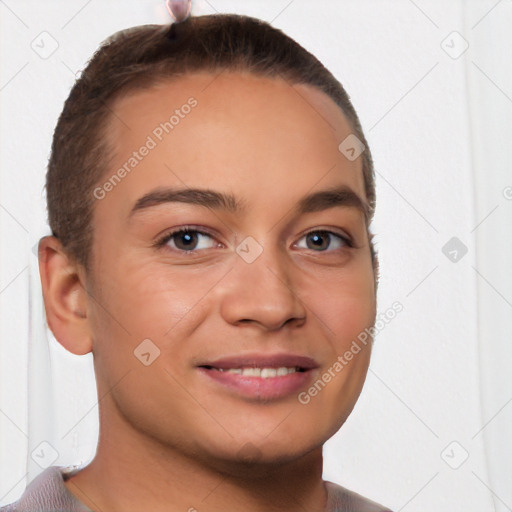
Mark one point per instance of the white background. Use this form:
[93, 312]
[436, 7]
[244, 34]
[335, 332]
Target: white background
[439, 127]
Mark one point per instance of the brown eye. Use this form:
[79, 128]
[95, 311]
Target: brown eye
[321, 240]
[187, 240]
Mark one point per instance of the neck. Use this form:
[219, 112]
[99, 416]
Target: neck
[143, 474]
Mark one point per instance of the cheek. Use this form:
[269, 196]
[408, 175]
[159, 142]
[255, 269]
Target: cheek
[144, 301]
[345, 318]
[343, 302]
[141, 311]
[147, 300]
[345, 306]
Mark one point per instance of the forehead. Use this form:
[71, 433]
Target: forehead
[261, 135]
[234, 94]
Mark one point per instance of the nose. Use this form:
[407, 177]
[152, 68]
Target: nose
[263, 292]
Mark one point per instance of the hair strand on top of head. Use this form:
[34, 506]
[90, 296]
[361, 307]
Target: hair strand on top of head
[179, 9]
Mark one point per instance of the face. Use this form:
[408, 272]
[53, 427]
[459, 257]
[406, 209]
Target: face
[192, 291]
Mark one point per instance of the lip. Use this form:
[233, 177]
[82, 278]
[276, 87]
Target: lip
[263, 361]
[259, 388]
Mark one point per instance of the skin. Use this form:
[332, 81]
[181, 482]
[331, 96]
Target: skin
[169, 438]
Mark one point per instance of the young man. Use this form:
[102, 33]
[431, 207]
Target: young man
[209, 193]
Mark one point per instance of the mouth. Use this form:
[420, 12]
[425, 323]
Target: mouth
[261, 377]
[263, 373]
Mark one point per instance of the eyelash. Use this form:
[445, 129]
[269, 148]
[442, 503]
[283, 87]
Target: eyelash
[162, 241]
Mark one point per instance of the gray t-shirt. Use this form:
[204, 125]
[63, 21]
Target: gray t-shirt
[47, 493]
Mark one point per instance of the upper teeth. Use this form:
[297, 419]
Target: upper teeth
[261, 372]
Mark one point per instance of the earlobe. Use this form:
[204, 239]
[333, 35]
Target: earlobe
[65, 297]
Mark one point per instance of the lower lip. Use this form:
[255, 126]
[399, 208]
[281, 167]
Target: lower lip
[258, 387]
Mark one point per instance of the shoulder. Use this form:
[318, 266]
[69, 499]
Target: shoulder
[340, 499]
[47, 493]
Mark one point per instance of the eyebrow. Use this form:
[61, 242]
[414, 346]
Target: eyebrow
[342, 196]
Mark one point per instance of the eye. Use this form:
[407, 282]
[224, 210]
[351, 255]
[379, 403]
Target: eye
[187, 239]
[321, 239]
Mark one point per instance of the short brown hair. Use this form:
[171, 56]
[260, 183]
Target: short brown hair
[139, 57]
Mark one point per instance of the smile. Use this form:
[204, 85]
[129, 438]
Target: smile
[258, 383]
[264, 373]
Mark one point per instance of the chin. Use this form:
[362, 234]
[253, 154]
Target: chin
[256, 458]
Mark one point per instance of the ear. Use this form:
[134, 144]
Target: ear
[65, 297]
